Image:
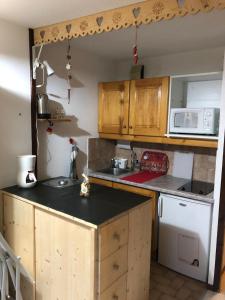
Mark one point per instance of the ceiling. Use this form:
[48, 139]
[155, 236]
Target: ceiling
[32, 13]
[181, 34]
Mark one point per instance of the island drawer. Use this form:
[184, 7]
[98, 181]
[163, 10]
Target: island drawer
[112, 268]
[113, 236]
[117, 291]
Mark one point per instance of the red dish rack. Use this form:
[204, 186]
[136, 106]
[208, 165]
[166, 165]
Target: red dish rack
[152, 165]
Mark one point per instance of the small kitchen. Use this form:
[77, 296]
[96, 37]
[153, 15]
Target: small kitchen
[128, 130]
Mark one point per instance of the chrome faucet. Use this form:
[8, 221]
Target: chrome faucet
[114, 163]
[133, 159]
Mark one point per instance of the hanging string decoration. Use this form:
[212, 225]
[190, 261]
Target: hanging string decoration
[69, 70]
[135, 47]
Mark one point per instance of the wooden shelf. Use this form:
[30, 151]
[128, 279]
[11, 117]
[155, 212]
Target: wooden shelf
[162, 140]
[55, 120]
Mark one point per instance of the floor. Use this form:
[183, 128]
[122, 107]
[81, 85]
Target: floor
[169, 285]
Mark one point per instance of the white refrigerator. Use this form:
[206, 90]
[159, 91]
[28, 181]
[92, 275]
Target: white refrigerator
[184, 235]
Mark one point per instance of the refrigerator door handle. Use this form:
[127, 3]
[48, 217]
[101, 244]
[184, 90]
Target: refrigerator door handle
[160, 207]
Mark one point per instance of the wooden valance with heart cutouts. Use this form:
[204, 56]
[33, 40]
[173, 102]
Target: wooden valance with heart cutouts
[123, 17]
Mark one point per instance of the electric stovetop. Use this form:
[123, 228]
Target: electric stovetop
[197, 187]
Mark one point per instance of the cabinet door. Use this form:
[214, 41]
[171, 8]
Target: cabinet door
[18, 221]
[148, 106]
[139, 249]
[114, 107]
[65, 259]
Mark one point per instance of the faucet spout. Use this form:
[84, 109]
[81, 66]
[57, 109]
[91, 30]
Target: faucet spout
[133, 159]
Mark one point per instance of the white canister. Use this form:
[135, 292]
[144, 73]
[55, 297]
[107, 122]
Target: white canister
[26, 171]
[123, 163]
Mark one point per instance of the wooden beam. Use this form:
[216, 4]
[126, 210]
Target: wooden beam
[123, 17]
[33, 97]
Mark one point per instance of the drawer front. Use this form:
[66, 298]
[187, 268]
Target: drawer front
[134, 189]
[113, 236]
[112, 268]
[118, 291]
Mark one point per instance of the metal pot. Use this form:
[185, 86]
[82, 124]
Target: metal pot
[43, 107]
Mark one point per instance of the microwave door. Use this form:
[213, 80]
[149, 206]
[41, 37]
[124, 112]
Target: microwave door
[187, 122]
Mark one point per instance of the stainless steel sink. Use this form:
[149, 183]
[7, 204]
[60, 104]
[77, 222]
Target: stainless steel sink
[114, 171]
[61, 182]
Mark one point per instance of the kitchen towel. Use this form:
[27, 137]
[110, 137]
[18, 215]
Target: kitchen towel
[142, 176]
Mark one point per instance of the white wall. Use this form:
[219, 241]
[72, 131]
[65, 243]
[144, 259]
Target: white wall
[218, 176]
[208, 60]
[88, 70]
[15, 132]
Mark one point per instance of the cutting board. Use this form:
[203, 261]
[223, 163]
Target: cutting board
[183, 164]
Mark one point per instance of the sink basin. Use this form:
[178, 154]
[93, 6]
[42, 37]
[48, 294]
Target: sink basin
[61, 182]
[115, 171]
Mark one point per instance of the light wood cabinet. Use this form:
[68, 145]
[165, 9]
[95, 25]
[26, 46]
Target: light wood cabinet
[70, 260]
[118, 290]
[112, 268]
[139, 191]
[113, 236]
[137, 107]
[114, 107]
[18, 230]
[65, 258]
[148, 106]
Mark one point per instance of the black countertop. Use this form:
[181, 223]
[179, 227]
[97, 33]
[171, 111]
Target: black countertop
[103, 204]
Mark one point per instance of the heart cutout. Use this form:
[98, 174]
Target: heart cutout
[68, 28]
[205, 3]
[180, 3]
[42, 34]
[136, 12]
[99, 21]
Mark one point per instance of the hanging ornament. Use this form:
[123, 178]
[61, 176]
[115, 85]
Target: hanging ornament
[135, 48]
[49, 129]
[69, 69]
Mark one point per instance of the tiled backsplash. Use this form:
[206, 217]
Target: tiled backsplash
[101, 151]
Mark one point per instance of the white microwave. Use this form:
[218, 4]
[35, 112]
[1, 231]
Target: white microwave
[194, 120]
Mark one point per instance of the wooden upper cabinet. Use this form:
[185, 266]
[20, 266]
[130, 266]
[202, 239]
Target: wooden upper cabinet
[114, 107]
[149, 106]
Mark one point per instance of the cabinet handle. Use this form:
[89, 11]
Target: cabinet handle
[160, 207]
[182, 204]
[124, 126]
[115, 297]
[131, 127]
[116, 267]
[116, 236]
[121, 101]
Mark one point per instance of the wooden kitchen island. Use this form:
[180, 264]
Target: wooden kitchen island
[76, 248]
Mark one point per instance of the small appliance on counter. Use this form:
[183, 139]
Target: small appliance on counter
[26, 171]
[43, 106]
